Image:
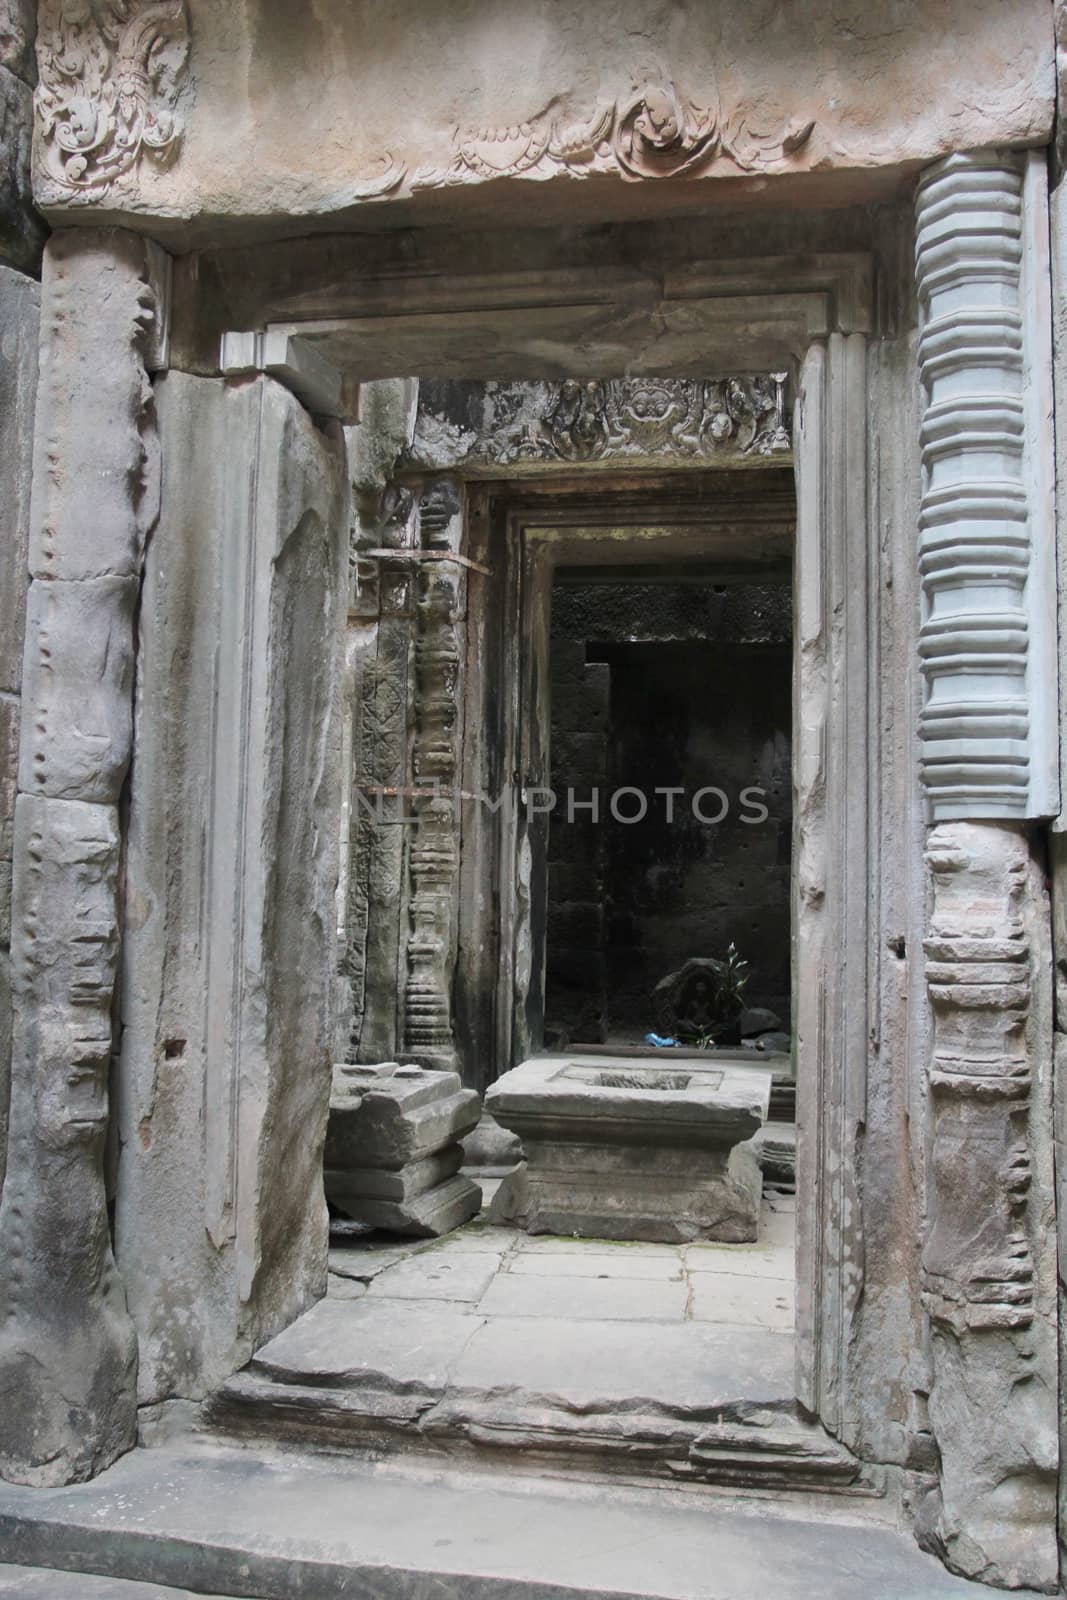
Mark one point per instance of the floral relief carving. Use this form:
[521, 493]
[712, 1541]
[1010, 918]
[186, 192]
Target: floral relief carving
[110, 77]
[653, 134]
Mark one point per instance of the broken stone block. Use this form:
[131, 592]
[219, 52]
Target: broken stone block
[624, 1149]
[775, 1148]
[393, 1150]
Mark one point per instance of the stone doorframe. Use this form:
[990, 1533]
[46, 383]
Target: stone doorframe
[984, 1108]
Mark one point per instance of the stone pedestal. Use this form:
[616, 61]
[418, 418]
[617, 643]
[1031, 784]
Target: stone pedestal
[393, 1149]
[624, 1149]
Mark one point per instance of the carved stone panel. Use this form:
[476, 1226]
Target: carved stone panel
[988, 1262]
[110, 75]
[615, 421]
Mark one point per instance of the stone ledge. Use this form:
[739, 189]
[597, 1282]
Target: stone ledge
[294, 1526]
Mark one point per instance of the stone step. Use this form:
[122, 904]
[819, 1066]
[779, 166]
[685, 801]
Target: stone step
[644, 1399]
[45, 1583]
[269, 1524]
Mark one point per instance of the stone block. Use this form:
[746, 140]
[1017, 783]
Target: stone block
[392, 1148]
[402, 1118]
[775, 1148]
[20, 316]
[22, 231]
[429, 1215]
[618, 1148]
[79, 679]
[220, 1220]
[400, 1184]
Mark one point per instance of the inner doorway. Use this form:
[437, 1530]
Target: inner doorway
[669, 838]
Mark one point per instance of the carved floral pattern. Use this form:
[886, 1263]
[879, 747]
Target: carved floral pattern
[110, 76]
[653, 134]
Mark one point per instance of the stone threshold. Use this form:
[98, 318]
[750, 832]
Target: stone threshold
[646, 1400]
[269, 1524]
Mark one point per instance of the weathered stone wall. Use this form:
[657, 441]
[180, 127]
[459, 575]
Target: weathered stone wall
[20, 302]
[229, 956]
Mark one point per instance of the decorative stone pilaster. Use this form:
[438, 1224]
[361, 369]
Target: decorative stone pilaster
[987, 641]
[987, 648]
[67, 1347]
[989, 1267]
[433, 854]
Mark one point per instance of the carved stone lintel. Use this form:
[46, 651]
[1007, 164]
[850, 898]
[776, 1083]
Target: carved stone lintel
[110, 75]
[988, 1284]
[625, 420]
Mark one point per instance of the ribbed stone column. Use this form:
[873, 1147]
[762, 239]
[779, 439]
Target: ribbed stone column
[982, 499]
[989, 770]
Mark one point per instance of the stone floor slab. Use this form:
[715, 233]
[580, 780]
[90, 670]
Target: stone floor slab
[585, 1299]
[369, 1343]
[644, 1366]
[590, 1264]
[457, 1276]
[748, 1302]
[290, 1526]
[741, 1260]
[554, 1244]
[364, 1262]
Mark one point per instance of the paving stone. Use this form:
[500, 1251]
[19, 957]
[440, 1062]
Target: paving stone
[369, 1344]
[584, 1299]
[364, 1262]
[778, 1228]
[476, 1238]
[649, 1366]
[748, 1302]
[339, 1288]
[554, 1244]
[463, 1277]
[657, 1269]
[742, 1261]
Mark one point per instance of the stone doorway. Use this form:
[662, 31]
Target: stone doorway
[479, 697]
